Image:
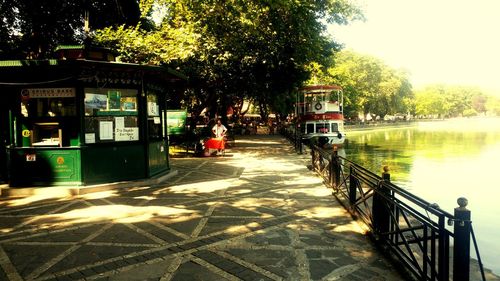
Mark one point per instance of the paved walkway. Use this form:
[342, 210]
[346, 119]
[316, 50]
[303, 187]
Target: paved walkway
[256, 214]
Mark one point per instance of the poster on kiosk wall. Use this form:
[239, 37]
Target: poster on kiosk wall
[176, 122]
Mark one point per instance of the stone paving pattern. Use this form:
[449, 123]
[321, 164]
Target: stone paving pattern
[257, 213]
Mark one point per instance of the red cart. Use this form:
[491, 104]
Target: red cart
[216, 143]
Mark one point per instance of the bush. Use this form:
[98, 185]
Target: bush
[469, 112]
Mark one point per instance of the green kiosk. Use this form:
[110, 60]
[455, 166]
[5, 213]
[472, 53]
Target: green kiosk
[83, 119]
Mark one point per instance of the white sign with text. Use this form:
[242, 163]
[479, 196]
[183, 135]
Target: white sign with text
[127, 134]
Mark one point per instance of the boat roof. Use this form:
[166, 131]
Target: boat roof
[320, 88]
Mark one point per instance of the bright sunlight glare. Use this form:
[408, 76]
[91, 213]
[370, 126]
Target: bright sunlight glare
[42, 194]
[204, 187]
[114, 213]
[447, 41]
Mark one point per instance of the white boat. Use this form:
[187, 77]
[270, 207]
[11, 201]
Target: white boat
[320, 115]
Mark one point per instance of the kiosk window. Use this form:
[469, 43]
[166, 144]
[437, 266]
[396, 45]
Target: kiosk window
[48, 117]
[48, 102]
[154, 119]
[46, 134]
[105, 102]
[111, 115]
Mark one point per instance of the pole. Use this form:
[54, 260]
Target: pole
[381, 214]
[353, 185]
[333, 173]
[296, 118]
[336, 167]
[461, 247]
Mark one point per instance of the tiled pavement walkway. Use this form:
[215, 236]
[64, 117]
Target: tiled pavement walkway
[256, 214]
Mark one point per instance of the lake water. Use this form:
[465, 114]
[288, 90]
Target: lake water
[440, 162]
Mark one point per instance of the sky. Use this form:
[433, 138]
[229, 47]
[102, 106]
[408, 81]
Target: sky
[454, 42]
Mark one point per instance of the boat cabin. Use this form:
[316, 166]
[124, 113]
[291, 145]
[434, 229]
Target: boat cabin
[320, 99]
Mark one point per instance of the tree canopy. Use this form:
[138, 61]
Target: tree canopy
[370, 86]
[232, 51]
[235, 50]
[33, 29]
[452, 101]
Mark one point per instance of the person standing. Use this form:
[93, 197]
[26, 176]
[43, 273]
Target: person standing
[218, 129]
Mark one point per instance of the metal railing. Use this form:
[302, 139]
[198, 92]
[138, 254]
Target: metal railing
[295, 138]
[420, 235]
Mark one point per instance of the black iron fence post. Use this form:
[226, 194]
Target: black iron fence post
[461, 247]
[312, 157]
[353, 184]
[295, 142]
[298, 143]
[293, 138]
[380, 208]
[443, 250]
[386, 176]
[336, 166]
[332, 169]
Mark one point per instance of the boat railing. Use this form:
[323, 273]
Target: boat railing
[429, 243]
[318, 99]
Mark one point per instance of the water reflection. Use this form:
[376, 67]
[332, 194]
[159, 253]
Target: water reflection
[441, 163]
